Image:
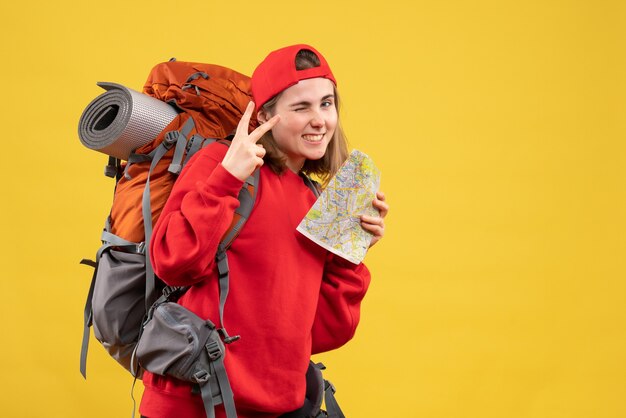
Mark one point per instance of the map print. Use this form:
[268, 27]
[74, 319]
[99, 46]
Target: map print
[334, 220]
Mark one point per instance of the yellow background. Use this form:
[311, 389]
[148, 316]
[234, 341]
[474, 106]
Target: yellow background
[499, 129]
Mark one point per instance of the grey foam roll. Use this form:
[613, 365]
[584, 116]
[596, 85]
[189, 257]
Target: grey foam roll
[121, 120]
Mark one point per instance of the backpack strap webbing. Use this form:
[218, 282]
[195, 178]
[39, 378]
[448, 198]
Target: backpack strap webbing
[218, 378]
[87, 318]
[195, 143]
[332, 407]
[181, 146]
[311, 184]
[247, 197]
[180, 139]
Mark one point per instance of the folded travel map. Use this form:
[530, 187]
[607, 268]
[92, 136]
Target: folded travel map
[334, 220]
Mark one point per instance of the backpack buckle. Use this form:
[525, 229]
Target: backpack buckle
[170, 139]
[213, 350]
[227, 338]
[201, 376]
[168, 291]
[113, 168]
[222, 262]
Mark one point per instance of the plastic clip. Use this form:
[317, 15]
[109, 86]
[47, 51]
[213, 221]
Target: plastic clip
[222, 263]
[227, 338]
[168, 290]
[170, 139]
[201, 376]
[213, 350]
[112, 169]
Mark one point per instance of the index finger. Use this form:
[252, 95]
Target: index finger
[244, 122]
[264, 127]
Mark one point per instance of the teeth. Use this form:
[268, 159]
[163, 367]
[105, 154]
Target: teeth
[312, 138]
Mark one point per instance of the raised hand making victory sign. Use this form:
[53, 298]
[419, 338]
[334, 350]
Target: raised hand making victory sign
[245, 154]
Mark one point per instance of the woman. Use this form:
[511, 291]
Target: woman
[288, 298]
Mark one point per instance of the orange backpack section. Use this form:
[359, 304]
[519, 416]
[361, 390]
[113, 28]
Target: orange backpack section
[126, 219]
[214, 97]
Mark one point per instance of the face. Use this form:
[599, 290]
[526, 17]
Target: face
[308, 118]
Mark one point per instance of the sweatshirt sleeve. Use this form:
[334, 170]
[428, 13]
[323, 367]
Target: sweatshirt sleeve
[197, 214]
[338, 309]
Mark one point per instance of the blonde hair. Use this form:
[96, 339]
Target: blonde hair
[336, 153]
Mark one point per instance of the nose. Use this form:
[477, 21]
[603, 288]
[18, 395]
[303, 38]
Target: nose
[317, 120]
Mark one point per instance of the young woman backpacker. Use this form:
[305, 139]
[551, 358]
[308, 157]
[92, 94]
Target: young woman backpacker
[288, 298]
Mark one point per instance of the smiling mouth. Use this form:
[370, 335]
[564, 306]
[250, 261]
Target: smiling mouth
[313, 138]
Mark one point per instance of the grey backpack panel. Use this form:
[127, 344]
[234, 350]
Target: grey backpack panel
[119, 303]
[178, 343]
[179, 333]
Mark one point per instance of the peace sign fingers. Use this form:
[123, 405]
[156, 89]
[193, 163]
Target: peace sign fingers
[244, 154]
[244, 123]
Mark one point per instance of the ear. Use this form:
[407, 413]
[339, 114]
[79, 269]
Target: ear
[262, 116]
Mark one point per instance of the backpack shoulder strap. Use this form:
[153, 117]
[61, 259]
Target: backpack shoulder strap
[314, 186]
[247, 197]
[179, 140]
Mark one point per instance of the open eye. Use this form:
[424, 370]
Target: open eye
[328, 102]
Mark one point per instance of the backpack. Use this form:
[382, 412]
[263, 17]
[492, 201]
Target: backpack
[209, 101]
[210, 107]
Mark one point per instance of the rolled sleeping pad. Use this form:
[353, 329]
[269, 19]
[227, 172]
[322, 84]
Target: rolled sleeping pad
[121, 120]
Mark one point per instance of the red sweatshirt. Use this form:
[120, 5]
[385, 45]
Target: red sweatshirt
[289, 298]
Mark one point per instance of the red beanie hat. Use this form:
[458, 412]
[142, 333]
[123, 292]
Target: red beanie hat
[278, 72]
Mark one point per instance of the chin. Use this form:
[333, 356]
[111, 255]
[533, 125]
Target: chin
[316, 155]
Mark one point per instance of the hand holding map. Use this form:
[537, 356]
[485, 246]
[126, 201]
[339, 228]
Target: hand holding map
[334, 220]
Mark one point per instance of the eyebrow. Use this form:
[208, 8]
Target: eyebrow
[307, 103]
